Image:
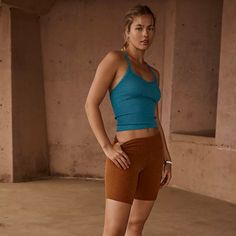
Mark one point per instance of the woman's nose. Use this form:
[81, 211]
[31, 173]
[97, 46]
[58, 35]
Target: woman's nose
[145, 32]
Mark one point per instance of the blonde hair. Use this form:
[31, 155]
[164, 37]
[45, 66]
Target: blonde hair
[128, 19]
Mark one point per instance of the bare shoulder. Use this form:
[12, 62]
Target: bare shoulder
[104, 76]
[156, 73]
[116, 53]
[110, 62]
[114, 57]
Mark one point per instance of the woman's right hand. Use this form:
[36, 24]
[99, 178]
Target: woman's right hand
[118, 156]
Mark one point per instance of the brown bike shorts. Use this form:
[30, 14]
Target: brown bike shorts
[142, 179]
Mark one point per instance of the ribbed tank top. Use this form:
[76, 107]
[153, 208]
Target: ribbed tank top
[134, 100]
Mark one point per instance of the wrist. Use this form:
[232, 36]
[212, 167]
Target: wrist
[107, 146]
[168, 162]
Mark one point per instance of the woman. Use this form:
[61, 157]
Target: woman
[138, 163]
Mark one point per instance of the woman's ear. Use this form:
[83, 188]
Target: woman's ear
[126, 35]
[126, 38]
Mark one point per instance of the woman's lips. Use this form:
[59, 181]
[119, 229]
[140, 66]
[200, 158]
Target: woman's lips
[144, 42]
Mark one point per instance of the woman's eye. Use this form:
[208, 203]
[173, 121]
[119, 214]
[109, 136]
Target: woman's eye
[138, 28]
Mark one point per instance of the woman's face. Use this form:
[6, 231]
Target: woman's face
[141, 32]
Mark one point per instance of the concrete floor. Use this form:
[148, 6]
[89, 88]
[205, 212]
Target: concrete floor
[71, 207]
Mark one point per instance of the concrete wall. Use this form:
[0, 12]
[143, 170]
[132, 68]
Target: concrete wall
[204, 162]
[23, 139]
[187, 53]
[226, 108]
[76, 35]
[193, 50]
[5, 97]
[38, 7]
[196, 67]
[30, 150]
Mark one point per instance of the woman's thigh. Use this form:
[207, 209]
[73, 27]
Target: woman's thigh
[116, 216]
[139, 212]
[121, 184]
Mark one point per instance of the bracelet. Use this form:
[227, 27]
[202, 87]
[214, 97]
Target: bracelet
[170, 162]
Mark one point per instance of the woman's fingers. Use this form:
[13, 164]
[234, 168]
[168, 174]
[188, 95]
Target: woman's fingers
[123, 156]
[166, 176]
[126, 157]
[122, 162]
[120, 159]
[123, 153]
[169, 177]
[163, 181]
[163, 175]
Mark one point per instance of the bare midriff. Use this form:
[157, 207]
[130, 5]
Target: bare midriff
[126, 135]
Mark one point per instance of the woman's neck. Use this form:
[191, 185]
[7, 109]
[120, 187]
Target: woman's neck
[136, 56]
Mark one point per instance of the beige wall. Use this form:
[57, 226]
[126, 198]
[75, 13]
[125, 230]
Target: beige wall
[30, 150]
[204, 163]
[226, 108]
[193, 50]
[196, 67]
[5, 97]
[76, 35]
[24, 150]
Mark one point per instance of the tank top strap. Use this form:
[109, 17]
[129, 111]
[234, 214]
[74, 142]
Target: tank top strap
[127, 59]
[154, 74]
[130, 67]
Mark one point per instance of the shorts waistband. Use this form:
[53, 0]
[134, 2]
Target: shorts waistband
[139, 138]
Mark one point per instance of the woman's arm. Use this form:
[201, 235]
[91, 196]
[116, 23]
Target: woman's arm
[167, 170]
[103, 77]
[166, 152]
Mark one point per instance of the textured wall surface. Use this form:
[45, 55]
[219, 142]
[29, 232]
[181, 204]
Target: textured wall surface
[226, 117]
[194, 50]
[76, 35]
[5, 97]
[35, 6]
[196, 67]
[30, 153]
[204, 159]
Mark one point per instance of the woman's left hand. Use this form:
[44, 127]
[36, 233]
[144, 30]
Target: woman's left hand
[166, 174]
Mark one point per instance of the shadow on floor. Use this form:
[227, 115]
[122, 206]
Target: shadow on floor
[75, 207]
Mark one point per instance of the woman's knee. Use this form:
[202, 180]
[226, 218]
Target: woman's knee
[135, 225]
[114, 230]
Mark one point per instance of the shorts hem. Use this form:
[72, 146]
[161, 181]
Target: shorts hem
[152, 199]
[124, 201]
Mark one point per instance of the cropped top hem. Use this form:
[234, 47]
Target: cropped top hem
[135, 127]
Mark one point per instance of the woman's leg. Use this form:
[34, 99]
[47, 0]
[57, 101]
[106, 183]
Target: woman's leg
[148, 185]
[120, 188]
[116, 217]
[139, 213]
[138, 183]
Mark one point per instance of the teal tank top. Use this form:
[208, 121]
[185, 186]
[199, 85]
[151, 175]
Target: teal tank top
[134, 100]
